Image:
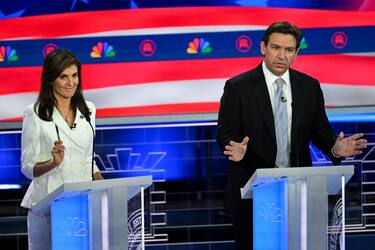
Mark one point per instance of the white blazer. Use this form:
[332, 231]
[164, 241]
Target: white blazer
[38, 137]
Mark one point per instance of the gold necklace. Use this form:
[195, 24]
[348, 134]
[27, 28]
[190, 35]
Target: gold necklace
[65, 116]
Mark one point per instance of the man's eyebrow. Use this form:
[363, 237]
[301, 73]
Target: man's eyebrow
[274, 44]
[277, 45]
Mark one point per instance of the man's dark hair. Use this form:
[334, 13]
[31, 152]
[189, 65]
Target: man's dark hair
[284, 28]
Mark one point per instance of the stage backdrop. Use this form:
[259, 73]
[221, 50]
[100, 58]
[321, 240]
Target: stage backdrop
[160, 57]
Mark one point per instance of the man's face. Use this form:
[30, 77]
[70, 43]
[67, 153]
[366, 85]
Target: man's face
[279, 53]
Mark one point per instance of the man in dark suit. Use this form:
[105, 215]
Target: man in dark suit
[254, 133]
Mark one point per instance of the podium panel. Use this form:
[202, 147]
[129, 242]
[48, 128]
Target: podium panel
[105, 214]
[270, 215]
[298, 208]
[69, 223]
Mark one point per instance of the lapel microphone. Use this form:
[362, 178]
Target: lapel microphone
[283, 99]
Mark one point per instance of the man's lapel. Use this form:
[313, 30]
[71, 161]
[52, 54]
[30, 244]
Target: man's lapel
[296, 108]
[263, 99]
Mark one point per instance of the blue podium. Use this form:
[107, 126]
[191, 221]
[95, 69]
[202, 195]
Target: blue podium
[99, 215]
[298, 208]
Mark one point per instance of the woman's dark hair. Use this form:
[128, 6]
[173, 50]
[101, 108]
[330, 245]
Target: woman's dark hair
[284, 28]
[54, 64]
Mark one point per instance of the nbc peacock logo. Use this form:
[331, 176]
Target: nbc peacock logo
[8, 54]
[199, 45]
[102, 49]
[303, 44]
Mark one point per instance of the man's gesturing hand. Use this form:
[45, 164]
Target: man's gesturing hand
[349, 146]
[236, 151]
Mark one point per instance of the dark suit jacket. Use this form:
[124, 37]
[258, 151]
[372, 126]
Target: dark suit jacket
[245, 110]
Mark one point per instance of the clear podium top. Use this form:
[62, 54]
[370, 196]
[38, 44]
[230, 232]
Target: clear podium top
[268, 175]
[132, 184]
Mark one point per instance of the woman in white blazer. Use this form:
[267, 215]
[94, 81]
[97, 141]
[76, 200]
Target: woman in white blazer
[57, 139]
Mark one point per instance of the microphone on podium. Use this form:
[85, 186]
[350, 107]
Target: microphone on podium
[88, 119]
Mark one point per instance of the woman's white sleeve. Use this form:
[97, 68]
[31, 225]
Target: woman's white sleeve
[30, 143]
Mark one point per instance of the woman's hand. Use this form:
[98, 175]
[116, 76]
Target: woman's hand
[57, 153]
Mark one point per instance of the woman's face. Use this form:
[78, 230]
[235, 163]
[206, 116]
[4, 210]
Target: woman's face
[65, 85]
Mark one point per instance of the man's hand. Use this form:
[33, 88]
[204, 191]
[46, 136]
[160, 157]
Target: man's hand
[349, 146]
[236, 151]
